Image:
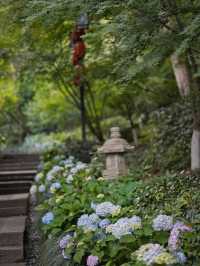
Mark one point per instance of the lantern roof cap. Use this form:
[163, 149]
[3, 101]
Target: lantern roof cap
[116, 144]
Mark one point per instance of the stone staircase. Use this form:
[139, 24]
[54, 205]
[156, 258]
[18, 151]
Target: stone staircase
[16, 175]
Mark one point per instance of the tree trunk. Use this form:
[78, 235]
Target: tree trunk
[195, 143]
[135, 136]
[195, 150]
[181, 74]
[134, 131]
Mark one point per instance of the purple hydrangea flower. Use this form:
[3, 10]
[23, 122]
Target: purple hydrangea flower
[174, 237]
[92, 260]
[65, 241]
[48, 218]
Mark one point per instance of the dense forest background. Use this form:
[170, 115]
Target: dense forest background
[142, 71]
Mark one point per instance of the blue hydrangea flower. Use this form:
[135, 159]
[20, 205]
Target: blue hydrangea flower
[55, 186]
[41, 188]
[65, 240]
[163, 223]
[88, 222]
[52, 173]
[180, 256]
[104, 223]
[48, 218]
[135, 222]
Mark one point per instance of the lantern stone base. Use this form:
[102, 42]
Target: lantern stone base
[115, 166]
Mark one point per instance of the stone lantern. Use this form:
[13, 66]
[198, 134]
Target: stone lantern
[114, 150]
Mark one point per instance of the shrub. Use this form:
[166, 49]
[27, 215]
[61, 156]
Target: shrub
[115, 221]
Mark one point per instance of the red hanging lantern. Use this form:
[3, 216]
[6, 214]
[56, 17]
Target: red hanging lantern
[78, 46]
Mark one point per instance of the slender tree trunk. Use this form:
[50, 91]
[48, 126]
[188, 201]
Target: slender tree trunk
[135, 136]
[189, 86]
[181, 74]
[195, 143]
[185, 70]
[134, 131]
[195, 150]
[82, 111]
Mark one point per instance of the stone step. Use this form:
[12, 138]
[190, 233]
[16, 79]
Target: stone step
[14, 187]
[17, 166]
[19, 156]
[17, 174]
[12, 231]
[11, 254]
[13, 264]
[13, 204]
[14, 200]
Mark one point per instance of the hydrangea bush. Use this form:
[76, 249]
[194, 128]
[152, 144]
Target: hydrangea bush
[95, 221]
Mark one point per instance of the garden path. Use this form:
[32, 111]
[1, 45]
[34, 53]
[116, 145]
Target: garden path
[16, 176]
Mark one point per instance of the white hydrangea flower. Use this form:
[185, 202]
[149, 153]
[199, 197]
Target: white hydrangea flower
[38, 177]
[124, 226]
[148, 252]
[73, 170]
[81, 166]
[163, 223]
[69, 179]
[52, 173]
[106, 208]
[120, 228]
[71, 158]
[50, 177]
[56, 169]
[69, 165]
[33, 189]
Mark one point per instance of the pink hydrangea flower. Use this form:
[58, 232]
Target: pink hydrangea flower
[92, 260]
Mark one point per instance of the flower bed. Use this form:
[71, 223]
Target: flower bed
[87, 220]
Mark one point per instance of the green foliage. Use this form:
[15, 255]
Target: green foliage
[176, 195]
[169, 134]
